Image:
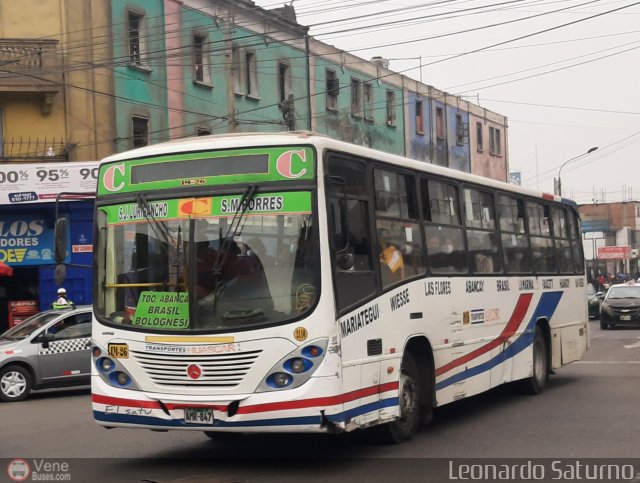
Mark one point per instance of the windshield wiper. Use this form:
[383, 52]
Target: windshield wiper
[159, 228]
[225, 243]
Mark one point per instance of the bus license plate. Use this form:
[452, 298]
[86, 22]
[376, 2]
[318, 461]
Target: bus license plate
[198, 416]
[118, 351]
[625, 317]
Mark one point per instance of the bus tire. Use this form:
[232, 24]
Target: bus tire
[536, 383]
[409, 392]
[15, 383]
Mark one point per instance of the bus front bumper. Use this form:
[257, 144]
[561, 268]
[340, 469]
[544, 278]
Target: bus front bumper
[297, 410]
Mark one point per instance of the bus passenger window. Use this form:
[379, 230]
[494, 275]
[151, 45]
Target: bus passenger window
[445, 250]
[399, 251]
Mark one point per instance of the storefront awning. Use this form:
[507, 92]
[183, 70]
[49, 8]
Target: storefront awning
[5, 270]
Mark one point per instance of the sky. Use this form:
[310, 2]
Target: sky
[564, 73]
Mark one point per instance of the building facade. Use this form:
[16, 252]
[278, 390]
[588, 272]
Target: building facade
[611, 237]
[83, 80]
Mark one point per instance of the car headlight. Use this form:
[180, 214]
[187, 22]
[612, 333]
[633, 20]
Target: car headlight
[606, 309]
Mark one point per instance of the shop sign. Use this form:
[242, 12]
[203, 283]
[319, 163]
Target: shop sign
[26, 240]
[614, 253]
[41, 183]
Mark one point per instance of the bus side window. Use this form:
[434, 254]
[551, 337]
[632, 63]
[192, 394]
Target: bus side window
[349, 231]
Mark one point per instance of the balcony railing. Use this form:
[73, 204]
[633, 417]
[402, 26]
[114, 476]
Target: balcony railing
[32, 149]
[30, 66]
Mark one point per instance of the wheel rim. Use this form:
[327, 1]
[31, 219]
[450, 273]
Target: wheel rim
[408, 399]
[13, 384]
[539, 360]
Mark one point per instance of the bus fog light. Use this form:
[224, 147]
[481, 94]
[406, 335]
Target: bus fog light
[122, 378]
[281, 379]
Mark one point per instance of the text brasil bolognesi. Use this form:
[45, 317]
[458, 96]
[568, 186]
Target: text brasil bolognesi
[560, 470]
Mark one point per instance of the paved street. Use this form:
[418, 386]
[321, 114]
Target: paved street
[589, 410]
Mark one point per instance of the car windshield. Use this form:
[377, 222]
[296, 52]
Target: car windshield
[207, 264]
[28, 326]
[624, 292]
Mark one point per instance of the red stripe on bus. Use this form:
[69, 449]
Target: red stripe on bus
[276, 406]
[514, 322]
[116, 401]
[319, 401]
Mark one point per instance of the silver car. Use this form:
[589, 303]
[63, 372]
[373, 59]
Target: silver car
[50, 349]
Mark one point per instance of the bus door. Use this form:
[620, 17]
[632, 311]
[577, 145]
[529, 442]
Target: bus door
[354, 280]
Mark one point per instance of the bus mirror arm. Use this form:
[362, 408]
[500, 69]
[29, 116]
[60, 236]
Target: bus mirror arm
[344, 260]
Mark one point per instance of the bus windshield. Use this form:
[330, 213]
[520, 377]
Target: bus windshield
[207, 264]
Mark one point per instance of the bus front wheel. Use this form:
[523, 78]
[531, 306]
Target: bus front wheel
[403, 428]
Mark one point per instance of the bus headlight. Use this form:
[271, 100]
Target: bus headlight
[112, 371]
[296, 368]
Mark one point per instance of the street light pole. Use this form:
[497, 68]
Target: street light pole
[559, 193]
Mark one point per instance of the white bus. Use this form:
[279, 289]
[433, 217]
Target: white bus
[290, 282]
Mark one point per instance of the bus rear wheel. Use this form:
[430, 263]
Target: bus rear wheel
[403, 428]
[536, 383]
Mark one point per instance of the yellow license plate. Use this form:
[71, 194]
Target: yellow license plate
[119, 351]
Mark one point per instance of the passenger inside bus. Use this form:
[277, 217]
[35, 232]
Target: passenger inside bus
[391, 259]
[445, 251]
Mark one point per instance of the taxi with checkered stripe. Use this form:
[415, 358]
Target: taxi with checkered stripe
[49, 349]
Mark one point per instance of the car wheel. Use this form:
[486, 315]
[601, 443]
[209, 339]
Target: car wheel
[603, 325]
[15, 383]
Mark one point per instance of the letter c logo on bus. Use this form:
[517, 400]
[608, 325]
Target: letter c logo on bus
[109, 179]
[285, 161]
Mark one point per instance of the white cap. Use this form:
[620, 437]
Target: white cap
[61, 290]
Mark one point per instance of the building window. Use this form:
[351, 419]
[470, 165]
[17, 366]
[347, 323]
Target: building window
[494, 141]
[140, 129]
[419, 117]
[203, 131]
[236, 71]
[136, 37]
[333, 89]
[356, 97]
[461, 130]
[367, 91]
[200, 60]
[440, 131]
[391, 108]
[251, 74]
[479, 139]
[284, 80]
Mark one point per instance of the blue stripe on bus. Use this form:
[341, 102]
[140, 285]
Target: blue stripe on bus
[297, 421]
[546, 307]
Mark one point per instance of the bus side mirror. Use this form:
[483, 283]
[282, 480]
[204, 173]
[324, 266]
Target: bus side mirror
[60, 240]
[60, 274]
[344, 261]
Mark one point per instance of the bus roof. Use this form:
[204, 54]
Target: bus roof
[237, 140]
